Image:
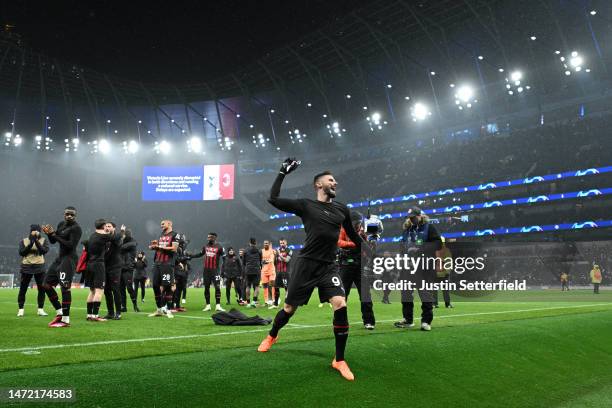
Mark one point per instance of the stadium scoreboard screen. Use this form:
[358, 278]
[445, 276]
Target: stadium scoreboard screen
[188, 183]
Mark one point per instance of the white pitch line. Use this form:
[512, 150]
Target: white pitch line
[295, 327]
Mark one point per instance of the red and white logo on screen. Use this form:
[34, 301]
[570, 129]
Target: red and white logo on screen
[219, 182]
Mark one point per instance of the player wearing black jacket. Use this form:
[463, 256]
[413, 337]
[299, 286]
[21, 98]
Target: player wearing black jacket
[314, 266]
[113, 264]
[61, 271]
[252, 272]
[128, 258]
[140, 275]
[231, 271]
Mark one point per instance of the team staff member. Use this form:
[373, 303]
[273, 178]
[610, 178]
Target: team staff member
[419, 237]
[314, 267]
[252, 271]
[213, 254]
[95, 274]
[596, 278]
[113, 265]
[128, 258]
[140, 275]
[61, 271]
[181, 273]
[163, 269]
[268, 272]
[283, 256]
[231, 271]
[349, 269]
[564, 281]
[32, 250]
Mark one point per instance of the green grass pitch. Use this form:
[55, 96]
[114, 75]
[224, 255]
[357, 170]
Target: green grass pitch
[532, 349]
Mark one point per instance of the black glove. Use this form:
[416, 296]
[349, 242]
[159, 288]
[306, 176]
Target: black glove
[289, 165]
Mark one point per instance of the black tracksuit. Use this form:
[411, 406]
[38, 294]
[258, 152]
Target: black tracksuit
[140, 276]
[113, 265]
[231, 271]
[128, 256]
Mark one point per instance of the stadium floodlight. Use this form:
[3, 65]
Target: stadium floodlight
[464, 97]
[17, 140]
[38, 138]
[573, 62]
[375, 121]
[516, 75]
[133, 147]
[593, 12]
[335, 130]
[165, 147]
[194, 145]
[515, 83]
[104, 146]
[419, 111]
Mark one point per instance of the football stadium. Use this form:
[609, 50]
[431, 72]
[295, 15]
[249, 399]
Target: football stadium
[348, 203]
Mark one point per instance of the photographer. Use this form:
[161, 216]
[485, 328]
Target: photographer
[419, 238]
[140, 275]
[32, 250]
[349, 269]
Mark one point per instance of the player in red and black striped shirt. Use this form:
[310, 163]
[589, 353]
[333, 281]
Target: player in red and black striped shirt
[213, 255]
[163, 269]
[283, 256]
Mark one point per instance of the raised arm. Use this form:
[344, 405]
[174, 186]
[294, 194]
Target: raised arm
[285, 204]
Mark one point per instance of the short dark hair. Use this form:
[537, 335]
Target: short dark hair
[318, 176]
[214, 234]
[70, 208]
[113, 224]
[252, 241]
[99, 223]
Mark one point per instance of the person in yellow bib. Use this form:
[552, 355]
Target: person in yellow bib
[596, 278]
[564, 281]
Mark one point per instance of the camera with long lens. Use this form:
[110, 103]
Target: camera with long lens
[373, 227]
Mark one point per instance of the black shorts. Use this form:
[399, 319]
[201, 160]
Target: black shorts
[95, 275]
[61, 271]
[163, 275]
[113, 276]
[180, 278]
[282, 280]
[127, 277]
[252, 281]
[211, 276]
[308, 274]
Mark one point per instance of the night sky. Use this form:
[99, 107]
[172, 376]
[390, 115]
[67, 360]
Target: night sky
[170, 42]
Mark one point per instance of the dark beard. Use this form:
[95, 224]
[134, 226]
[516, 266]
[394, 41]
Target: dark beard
[329, 192]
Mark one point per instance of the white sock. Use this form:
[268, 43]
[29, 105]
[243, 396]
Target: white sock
[21, 310]
[66, 319]
[59, 312]
[40, 309]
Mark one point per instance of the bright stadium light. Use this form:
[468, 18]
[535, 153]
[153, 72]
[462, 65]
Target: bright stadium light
[165, 147]
[375, 121]
[104, 146]
[133, 147]
[335, 130]
[573, 62]
[464, 97]
[419, 111]
[194, 145]
[516, 75]
[515, 83]
[17, 140]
